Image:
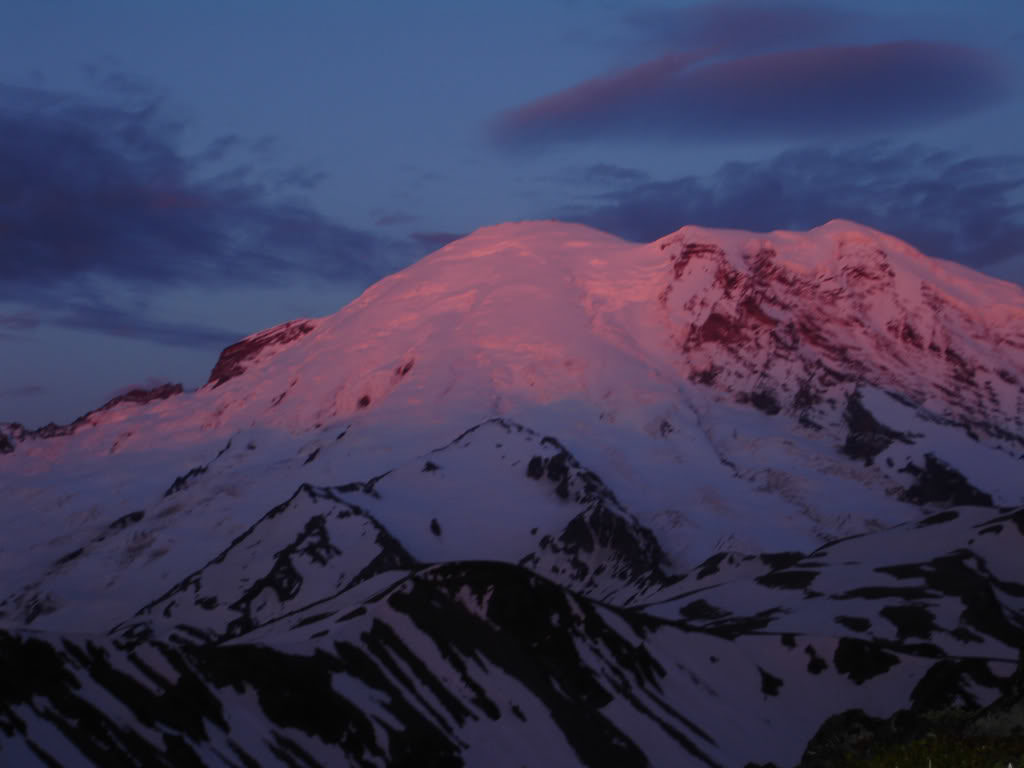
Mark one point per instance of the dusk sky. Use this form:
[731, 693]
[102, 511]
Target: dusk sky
[174, 176]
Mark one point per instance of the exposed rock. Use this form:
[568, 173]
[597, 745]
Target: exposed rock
[939, 483]
[232, 359]
[867, 437]
[143, 396]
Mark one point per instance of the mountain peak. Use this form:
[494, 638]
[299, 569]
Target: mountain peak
[541, 311]
[525, 319]
[474, 508]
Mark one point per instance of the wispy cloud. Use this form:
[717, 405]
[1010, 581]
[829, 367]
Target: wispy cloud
[969, 209]
[25, 390]
[99, 203]
[126, 324]
[394, 218]
[836, 90]
[105, 190]
[19, 321]
[604, 174]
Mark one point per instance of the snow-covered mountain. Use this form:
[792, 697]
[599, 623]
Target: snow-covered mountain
[544, 497]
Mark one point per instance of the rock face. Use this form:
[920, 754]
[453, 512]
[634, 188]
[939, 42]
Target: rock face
[545, 497]
[800, 326]
[233, 360]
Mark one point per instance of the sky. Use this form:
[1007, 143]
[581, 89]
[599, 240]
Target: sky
[175, 176]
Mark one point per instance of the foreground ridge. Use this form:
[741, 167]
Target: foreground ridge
[461, 657]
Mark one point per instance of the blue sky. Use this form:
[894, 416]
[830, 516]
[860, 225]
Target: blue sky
[174, 176]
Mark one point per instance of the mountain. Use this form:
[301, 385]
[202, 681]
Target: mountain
[545, 496]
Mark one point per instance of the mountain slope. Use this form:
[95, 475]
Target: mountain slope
[469, 663]
[544, 496]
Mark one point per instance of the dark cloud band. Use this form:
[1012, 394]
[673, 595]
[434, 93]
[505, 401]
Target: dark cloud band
[98, 202]
[112, 321]
[825, 91]
[107, 191]
[965, 209]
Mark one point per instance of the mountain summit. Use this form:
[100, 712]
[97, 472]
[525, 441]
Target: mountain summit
[479, 502]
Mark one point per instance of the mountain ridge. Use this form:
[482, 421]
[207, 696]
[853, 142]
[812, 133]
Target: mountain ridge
[542, 482]
[991, 298]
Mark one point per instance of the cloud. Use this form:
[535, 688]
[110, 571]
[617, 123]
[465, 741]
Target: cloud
[101, 210]
[394, 218]
[605, 174]
[19, 321]
[968, 209]
[26, 390]
[791, 94]
[113, 321]
[104, 190]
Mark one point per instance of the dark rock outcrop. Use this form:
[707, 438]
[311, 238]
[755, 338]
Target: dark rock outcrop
[232, 359]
